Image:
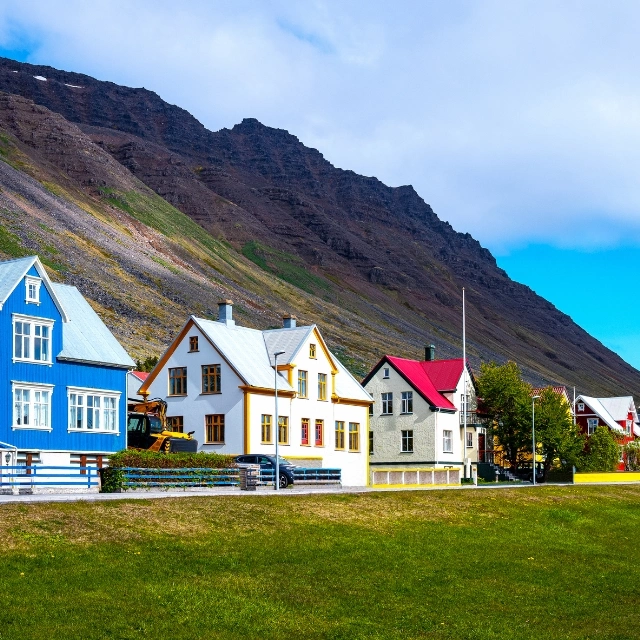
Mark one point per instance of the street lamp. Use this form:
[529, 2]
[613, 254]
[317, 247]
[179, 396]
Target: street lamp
[277, 425]
[533, 435]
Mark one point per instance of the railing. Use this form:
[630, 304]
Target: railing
[472, 418]
[136, 477]
[26, 477]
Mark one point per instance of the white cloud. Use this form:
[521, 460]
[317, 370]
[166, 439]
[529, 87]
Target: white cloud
[513, 120]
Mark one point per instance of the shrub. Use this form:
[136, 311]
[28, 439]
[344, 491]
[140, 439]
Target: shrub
[602, 452]
[632, 456]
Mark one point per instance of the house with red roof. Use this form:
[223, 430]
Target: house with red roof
[134, 382]
[418, 417]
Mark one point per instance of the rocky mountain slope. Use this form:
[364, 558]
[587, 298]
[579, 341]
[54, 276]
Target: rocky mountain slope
[117, 184]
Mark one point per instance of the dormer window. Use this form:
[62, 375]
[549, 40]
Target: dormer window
[385, 373]
[312, 350]
[33, 290]
[193, 343]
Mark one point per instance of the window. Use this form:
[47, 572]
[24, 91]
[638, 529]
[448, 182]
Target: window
[339, 435]
[592, 425]
[407, 441]
[32, 286]
[371, 409]
[464, 403]
[447, 441]
[304, 431]
[387, 403]
[312, 351]
[210, 379]
[628, 426]
[283, 430]
[214, 428]
[322, 386]
[319, 433]
[32, 339]
[193, 343]
[302, 383]
[370, 443]
[266, 428]
[580, 406]
[92, 410]
[469, 439]
[385, 373]
[354, 436]
[407, 402]
[176, 424]
[178, 381]
[32, 406]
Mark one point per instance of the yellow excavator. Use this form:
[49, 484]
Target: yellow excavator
[147, 429]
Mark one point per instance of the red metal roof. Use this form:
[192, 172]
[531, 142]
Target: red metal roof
[445, 374]
[141, 375]
[416, 373]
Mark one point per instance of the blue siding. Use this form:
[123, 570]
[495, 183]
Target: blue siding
[60, 374]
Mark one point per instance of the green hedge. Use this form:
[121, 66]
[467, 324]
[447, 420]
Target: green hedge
[112, 476]
[155, 460]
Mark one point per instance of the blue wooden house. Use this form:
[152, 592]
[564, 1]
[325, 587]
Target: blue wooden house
[62, 373]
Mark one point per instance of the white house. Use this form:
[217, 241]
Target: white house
[218, 380]
[417, 418]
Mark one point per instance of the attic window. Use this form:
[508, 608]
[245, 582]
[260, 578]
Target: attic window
[385, 373]
[33, 289]
[193, 343]
[580, 406]
[312, 350]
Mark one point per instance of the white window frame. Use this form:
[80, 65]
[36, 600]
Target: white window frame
[386, 402]
[592, 425]
[580, 406]
[41, 322]
[469, 439]
[33, 389]
[406, 441]
[406, 402]
[447, 441]
[385, 373]
[103, 394]
[629, 423]
[37, 283]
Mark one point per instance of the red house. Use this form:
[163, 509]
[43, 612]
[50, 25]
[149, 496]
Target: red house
[619, 414]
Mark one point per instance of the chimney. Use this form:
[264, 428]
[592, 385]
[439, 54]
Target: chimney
[289, 321]
[430, 353]
[225, 312]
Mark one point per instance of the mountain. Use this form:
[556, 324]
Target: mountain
[154, 217]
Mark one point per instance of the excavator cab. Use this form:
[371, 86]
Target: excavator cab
[146, 429]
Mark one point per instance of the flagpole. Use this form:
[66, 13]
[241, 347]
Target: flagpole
[464, 387]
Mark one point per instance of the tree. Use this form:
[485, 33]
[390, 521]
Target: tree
[558, 438]
[602, 452]
[507, 401]
[147, 364]
[632, 456]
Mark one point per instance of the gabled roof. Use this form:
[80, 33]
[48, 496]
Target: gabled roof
[249, 352]
[140, 375]
[13, 271]
[416, 375]
[445, 374]
[245, 351]
[85, 338]
[620, 407]
[598, 408]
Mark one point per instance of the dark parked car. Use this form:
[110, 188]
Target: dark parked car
[269, 462]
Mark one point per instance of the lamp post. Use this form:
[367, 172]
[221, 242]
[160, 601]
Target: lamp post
[533, 436]
[277, 425]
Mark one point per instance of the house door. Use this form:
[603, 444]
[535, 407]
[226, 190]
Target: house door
[481, 447]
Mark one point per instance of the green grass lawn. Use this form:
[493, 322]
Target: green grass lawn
[556, 562]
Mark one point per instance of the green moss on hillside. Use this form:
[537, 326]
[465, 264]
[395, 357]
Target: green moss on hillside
[286, 266]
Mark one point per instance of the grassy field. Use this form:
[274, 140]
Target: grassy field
[556, 562]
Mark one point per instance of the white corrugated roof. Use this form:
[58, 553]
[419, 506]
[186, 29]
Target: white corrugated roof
[619, 407]
[244, 349]
[85, 337]
[287, 340]
[250, 353]
[598, 408]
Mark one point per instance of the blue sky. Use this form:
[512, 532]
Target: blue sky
[518, 122]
